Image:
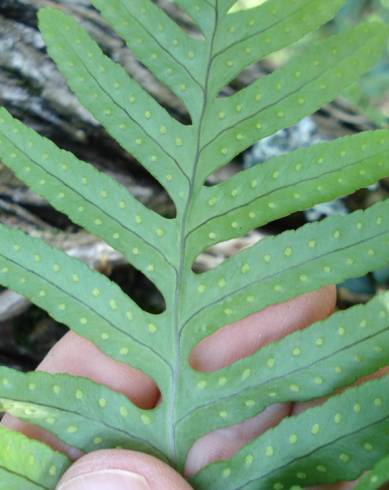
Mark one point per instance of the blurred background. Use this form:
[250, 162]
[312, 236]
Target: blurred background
[34, 91]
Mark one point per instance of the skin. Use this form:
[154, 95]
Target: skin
[226, 346]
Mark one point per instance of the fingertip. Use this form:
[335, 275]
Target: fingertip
[121, 470]
[223, 443]
[77, 356]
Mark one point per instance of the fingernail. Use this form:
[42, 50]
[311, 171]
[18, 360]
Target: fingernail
[106, 480]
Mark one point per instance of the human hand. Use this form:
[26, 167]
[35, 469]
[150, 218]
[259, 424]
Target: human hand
[124, 470]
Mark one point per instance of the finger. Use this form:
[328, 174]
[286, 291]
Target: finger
[121, 470]
[79, 357]
[245, 337]
[240, 340]
[70, 353]
[224, 443]
[76, 355]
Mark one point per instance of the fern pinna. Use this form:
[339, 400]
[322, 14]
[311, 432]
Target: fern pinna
[335, 441]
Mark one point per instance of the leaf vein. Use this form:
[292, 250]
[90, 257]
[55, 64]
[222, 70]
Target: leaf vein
[83, 416]
[24, 478]
[281, 376]
[262, 31]
[271, 276]
[261, 477]
[276, 189]
[190, 75]
[115, 103]
[92, 203]
[278, 101]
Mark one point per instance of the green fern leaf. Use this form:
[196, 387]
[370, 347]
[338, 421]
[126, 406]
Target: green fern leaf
[328, 355]
[377, 477]
[306, 365]
[307, 82]
[90, 198]
[332, 444]
[289, 183]
[279, 268]
[86, 301]
[126, 110]
[28, 464]
[203, 13]
[175, 58]
[82, 413]
[258, 32]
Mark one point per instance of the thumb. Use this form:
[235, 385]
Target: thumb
[121, 470]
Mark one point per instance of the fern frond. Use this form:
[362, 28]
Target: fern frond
[308, 364]
[82, 413]
[90, 198]
[244, 37]
[160, 44]
[288, 183]
[337, 440]
[326, 444]
[377, 477]
[279, 268]
[303, 85]
[126, 110]
[28, 464]
[85, 300]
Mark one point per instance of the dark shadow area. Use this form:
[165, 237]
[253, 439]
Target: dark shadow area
[139, 288]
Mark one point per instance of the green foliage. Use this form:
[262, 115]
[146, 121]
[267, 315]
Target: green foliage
[377, 477]
[326, 444]
[337, 440]
[371, 92]
[28, 464]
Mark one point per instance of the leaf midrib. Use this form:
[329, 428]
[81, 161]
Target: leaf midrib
[262, 31]
[179, 62]
[171, 412]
